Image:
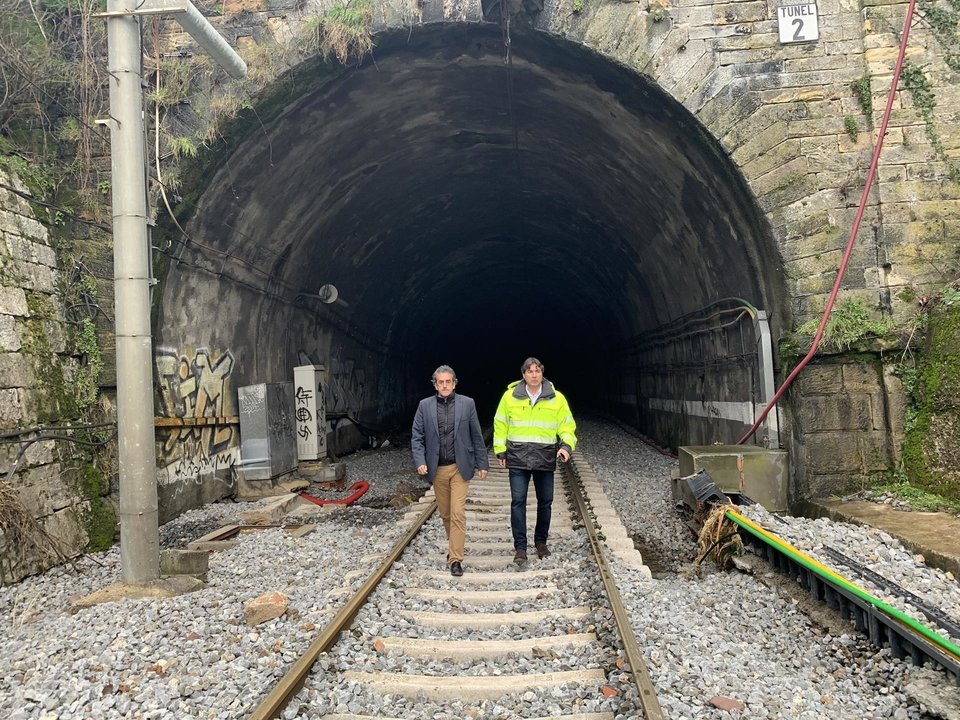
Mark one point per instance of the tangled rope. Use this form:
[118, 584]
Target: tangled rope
[718, 538]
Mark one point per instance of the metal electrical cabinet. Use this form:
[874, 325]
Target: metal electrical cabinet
[311, 414]
[268, 440]
[756, 472]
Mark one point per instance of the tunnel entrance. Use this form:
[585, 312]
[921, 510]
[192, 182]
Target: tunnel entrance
[469, 211]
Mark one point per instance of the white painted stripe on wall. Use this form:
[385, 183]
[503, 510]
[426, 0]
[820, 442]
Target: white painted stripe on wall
[744, 411]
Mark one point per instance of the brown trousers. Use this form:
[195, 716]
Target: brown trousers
[451, 491]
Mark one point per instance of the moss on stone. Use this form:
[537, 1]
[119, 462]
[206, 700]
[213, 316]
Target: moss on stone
[53, 398]
[98, 517]
[931, 452]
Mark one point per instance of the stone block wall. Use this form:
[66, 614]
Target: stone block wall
[37, 367]
[846, 422]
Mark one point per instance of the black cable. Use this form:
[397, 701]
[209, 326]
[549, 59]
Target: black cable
[42, 428]
[89, 443]
[77, 218]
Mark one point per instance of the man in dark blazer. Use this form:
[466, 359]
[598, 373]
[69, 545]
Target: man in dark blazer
[447, 447]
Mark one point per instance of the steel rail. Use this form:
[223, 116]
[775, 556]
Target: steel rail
[638, 666]
[288, 686]
[932, 614]
[880, 621]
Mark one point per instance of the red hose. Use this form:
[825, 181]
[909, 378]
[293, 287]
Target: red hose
[853, 231]
[359, 488]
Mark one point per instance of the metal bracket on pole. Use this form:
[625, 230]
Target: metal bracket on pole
[132, 279]
[767, 385]
[196, 25]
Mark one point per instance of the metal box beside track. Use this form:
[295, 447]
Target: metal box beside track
[759, 473]
[268, 442]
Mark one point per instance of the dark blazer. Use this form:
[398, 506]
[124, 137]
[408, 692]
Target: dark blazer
[469, 449]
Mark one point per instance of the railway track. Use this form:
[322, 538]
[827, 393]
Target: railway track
[501, 641]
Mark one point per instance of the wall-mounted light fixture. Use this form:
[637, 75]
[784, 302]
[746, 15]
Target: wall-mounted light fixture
[327, 294]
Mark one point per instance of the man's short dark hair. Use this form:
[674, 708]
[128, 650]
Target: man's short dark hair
[443, 369]
[528, 362]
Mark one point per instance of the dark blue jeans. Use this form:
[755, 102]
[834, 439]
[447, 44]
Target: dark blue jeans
[543, 486]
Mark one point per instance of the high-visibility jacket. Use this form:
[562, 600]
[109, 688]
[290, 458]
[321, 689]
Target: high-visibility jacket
[528, 434]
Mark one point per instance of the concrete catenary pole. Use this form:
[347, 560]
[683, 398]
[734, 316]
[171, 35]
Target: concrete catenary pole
[139, 529]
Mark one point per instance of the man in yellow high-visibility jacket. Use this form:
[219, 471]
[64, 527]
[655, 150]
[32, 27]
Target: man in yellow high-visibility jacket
[533, 427]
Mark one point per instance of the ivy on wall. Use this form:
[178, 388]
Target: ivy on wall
[925, 100]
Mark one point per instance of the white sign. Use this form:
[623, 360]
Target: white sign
[310, 412]
[798, 23]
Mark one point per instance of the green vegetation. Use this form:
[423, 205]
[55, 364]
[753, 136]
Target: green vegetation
[918, 498]
[52, 63]
[53, 396]
[944, 19]
[930, 453]
[861, 88]
[849, 323]
[86, 381]
[98, 516]
[182, 147]
[925, 101]
[344, 30]
[788, 352]
[578, 6]
[906, 294]
[850, 125]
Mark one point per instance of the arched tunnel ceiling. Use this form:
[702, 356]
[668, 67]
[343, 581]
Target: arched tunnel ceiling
[446, 194]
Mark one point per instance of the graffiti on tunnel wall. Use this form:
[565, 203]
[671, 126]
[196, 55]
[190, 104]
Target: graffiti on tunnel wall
[196, 386]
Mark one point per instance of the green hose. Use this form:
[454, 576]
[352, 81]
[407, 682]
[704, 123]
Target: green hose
[828, 574]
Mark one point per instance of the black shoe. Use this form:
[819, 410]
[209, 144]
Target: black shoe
[542, 550]
[456, 569]
[520, 556]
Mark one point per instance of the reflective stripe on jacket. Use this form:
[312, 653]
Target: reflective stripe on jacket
[527, 433]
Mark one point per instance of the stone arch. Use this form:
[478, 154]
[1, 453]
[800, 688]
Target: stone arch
[627, 206]
[758, 132]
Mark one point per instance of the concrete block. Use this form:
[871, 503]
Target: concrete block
[11, 403]
[634, 561]
[328, 472]
[875, 451]
[619, 544]
[765, 473]
[34, 252]
[38, 277]
[271, 512]
[299, 532]
[195, 563]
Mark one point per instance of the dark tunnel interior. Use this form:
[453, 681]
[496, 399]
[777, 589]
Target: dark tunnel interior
[469, 211]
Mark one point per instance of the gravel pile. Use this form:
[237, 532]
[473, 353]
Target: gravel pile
[705, 634]
[191, 656]
[880, 553]
[713, 634]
